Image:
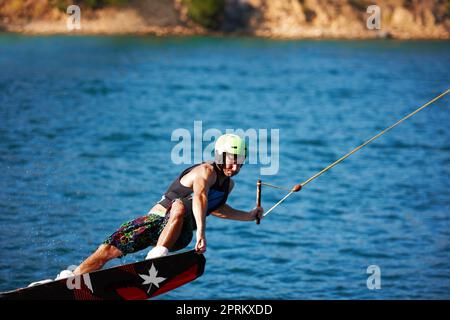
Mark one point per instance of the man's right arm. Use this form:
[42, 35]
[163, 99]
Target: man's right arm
[204, 177]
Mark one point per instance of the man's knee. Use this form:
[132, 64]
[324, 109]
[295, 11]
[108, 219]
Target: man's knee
[177, 211]
[108, 252]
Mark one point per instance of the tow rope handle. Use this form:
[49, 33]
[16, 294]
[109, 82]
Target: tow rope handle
[258, 197]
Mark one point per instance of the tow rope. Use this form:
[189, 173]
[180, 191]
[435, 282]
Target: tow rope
[298, 187]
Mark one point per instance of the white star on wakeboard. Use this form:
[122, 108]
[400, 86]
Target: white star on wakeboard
[152, 278]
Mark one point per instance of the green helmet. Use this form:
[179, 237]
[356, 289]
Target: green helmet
[230, 144]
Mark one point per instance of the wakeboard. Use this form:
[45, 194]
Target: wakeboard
[135, 281]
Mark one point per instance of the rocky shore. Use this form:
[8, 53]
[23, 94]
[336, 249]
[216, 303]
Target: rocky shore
[281, 19]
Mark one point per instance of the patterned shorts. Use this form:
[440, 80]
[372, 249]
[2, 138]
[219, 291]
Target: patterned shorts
[140, 233]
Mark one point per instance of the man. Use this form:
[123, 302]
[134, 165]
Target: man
[200, 190]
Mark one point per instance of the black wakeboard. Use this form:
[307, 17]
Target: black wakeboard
[135, 281]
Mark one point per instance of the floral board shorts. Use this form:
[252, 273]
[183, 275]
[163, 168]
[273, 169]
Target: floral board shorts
[140, 233]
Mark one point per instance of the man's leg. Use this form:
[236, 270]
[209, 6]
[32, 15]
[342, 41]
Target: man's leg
[98, 259]
[171, 231]
[167, 239]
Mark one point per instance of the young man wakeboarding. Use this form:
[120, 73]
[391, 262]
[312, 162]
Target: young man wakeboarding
[200, 190]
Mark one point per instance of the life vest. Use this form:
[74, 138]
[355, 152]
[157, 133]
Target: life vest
[217, 194]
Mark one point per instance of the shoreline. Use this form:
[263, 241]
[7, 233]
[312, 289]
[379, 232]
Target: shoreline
[216, 36]
[187, 32]
[274, 19]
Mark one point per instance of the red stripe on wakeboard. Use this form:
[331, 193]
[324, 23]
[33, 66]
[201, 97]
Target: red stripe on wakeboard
[188, 275]
[132, 293]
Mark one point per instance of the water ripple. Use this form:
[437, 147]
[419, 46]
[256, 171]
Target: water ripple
[86, 145]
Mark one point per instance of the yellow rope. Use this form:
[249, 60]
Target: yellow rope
[275, 187]
[357, 148]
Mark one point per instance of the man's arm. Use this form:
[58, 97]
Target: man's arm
[200, 186]
[227, 212]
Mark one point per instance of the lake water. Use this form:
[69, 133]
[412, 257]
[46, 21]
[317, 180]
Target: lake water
[85, 144]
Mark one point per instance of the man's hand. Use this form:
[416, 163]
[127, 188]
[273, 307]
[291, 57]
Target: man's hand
[200, 246]
[257, 212]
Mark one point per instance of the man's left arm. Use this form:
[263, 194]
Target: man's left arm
[227, 212]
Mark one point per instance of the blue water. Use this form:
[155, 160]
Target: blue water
[85, 144]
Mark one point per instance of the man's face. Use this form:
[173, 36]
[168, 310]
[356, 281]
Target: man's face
[232, 165]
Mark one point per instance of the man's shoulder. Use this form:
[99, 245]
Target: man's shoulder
[206, 167]
[205, 170]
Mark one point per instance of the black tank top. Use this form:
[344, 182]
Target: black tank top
[217, 194]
